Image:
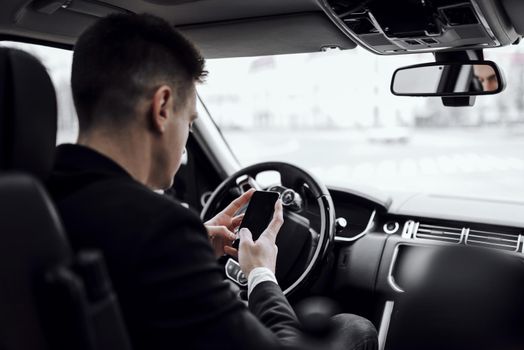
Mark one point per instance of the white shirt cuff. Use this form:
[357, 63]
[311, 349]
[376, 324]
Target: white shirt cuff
[257, 276]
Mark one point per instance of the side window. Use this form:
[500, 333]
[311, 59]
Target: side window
[58, 64]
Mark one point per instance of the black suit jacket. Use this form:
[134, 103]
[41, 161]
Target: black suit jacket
[169, 284]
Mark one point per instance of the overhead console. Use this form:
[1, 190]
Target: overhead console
[406, 26]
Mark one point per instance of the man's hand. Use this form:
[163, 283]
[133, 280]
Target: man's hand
[221, 238]
[220, 228]
[263, 252]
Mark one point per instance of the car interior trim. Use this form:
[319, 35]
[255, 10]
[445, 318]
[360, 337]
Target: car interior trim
[283, 34]
[213, 143]
[509, 243]
[490, 29]
[407, 231]
[497, 212]
[391, 279]
[368, 228]
[430, 243]
[340, 24]
[377, 199]
[384, 324]
[484, 22]
[288, 28]
[503, 25]
[514, 10]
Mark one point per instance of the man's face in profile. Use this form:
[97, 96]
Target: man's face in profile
[177, 133]
[486, 76]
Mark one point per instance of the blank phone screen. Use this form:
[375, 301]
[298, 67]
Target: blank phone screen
[259, 212]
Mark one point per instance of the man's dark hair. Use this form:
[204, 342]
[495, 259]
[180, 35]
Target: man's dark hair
[123, 58]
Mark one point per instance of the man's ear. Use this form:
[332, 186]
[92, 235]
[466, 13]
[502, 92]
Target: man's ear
[160, 107]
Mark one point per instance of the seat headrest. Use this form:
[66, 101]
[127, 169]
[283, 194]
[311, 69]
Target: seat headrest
[28, 114]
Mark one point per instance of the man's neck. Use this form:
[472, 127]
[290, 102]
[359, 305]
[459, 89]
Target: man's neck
[128, 151]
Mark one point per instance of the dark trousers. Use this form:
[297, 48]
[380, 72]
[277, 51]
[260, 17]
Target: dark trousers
[348, 332]
[353, 333]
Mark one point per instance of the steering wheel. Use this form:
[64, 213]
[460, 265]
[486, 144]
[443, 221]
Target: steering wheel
[309, 221]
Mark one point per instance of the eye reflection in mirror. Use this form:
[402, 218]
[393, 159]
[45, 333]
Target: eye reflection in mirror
[486, 76]
[448, 79]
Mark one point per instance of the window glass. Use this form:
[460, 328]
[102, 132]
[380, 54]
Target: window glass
[333, 113]
[58, 65]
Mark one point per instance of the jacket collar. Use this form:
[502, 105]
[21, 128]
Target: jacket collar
[78, 158]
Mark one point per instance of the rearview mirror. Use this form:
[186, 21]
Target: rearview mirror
[448, 79]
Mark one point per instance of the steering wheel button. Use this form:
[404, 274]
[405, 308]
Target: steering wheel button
[241, 278]
[232, 268]
[288, 197]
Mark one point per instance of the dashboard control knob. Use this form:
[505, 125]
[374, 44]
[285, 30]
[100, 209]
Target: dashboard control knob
[391, 227]
[340, 224]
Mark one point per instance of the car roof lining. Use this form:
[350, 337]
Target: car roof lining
[221, 28]
[283, 27]
[293, 33]
[185, 12]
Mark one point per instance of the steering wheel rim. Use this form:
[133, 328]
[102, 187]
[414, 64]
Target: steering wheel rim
[295, 175]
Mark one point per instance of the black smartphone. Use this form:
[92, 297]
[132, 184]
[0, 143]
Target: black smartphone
[259, 213]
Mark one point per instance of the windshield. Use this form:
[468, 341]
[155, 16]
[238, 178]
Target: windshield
[333, 114]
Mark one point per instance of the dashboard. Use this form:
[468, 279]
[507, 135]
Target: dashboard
[384, 239]
[390, 250]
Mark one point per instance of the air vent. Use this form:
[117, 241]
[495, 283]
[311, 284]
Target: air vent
[510, 240]
[493, 240]
[439, 233]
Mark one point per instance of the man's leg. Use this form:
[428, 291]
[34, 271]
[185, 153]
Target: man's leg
[352, 332]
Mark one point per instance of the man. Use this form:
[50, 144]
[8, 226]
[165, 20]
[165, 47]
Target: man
[133, 81]
[486, 76]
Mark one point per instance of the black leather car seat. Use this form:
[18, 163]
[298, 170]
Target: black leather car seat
[49, 299]
[468, 299]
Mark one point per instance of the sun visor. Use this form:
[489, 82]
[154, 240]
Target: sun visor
[51, 21]
[282, 34]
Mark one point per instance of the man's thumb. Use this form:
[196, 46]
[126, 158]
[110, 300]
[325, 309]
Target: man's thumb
[245, 235]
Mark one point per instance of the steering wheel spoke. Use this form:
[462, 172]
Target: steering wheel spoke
[247, 182]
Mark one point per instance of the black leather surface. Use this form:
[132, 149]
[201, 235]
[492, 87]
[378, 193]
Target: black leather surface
[31, 241]
[43, 301]
[467, 298]
[28, 114]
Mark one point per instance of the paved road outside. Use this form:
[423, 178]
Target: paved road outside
[479, 162]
